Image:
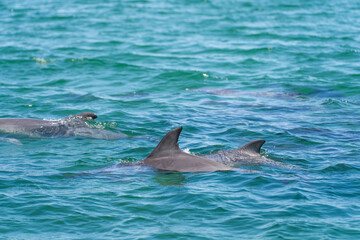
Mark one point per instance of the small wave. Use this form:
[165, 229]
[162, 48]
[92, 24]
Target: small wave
[42, 61]
[335, 103]
[258, 181]
[75, 60]
[340, 167]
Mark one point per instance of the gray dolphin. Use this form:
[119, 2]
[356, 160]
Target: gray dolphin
[249, 154]
[74, 125]
[168, 156]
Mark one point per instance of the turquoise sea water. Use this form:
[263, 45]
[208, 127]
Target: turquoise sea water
[227, 71]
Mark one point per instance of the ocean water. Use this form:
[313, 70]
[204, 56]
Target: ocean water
[227, 71]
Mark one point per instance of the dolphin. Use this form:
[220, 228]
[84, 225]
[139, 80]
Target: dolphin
[168, 156]
[248, 154]
[74, 125]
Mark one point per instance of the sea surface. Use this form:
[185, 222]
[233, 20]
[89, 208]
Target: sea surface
[227, 71]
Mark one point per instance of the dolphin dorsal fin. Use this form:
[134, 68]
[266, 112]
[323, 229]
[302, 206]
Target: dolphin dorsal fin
[81, 116]
[253, 147]
[168, 144]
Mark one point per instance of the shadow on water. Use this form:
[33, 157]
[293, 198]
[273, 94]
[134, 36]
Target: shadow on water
[170, 178]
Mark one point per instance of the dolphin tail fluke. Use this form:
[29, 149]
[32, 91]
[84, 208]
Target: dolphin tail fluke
[252, 147]
[167, 144]
[82, 116]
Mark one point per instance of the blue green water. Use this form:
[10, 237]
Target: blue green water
[227, 71]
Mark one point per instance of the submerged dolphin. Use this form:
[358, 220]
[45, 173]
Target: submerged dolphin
[74, 125]
[234, 93]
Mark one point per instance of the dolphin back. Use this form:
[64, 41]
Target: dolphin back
[247, 154]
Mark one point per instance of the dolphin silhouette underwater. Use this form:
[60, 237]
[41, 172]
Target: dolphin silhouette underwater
[168, 156]
[70, 126]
